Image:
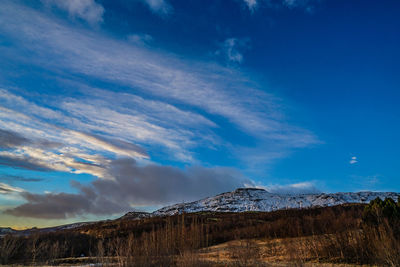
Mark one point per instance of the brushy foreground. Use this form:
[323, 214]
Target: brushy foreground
[347, 234]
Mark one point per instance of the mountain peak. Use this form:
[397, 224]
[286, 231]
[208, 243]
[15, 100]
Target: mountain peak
[257, 199]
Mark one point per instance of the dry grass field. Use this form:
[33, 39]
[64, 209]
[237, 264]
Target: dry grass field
[333, 236]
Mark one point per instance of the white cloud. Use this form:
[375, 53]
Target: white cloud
[87, 10]
[140, 39]
[231, 49]
[172, 104]
[290, 3]
[297, 188]
[33, 123]
[160, 7]
[48, 146]
[143, 121]
[252, 4]
[308, 5]
[118, 147]
[10, 194]
[298, 3]
[353, 160]
[44, 159]
[215, 89]
[8, 189]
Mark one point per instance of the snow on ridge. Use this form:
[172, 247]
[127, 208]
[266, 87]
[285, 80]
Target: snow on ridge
[6, 230]
[255, 199]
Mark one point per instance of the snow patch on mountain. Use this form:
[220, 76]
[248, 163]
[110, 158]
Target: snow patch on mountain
[254, 199]
[6, 231]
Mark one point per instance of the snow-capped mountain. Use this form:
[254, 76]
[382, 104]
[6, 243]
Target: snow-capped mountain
[254, 199]
[242, 199]
[136, 215]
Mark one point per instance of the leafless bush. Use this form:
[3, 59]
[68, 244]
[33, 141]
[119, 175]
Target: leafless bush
[332, 234]
[245, 253]
[9, 247]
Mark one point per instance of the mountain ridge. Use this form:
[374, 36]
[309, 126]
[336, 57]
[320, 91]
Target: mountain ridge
[239, 200]
[257, 199]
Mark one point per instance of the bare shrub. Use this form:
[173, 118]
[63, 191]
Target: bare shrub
[9, 247]
[245, 253]
[332, 234]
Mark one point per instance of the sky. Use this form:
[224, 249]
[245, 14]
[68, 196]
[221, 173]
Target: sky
[113, 106]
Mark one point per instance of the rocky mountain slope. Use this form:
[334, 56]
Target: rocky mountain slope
[242, 199]
[253, 199]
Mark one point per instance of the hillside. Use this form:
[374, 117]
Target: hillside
[254, 199]
[351, 233]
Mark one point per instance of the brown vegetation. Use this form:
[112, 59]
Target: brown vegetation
[341, 234]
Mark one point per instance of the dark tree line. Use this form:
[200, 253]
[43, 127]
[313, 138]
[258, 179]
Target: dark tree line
[356, 233]
[378, 210]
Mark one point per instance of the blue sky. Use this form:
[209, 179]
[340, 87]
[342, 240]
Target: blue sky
[111, 106]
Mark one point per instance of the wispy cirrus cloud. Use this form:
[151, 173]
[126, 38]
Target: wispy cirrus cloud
[308, 5]
[293, 189]
[144, 102]
[9, 139]
[231, 49]
[251, 4]
[298, 3]
[140, 39]
[92, 11]
[50, 147]
[8, 189]
[10, 193]
[159, 7]
[88, 10]
[178, 88]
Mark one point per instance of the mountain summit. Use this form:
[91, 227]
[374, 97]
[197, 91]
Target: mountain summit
[255, 199]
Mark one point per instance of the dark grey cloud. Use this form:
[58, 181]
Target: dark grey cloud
[23, 179]
[132, 185]
[63, 205]
[47, 144]
[9, 139]
[155, 184]
[23, 163]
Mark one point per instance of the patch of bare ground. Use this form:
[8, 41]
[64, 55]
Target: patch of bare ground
[268, 252]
